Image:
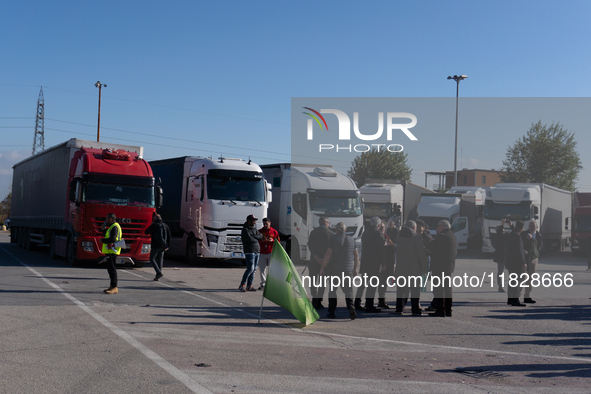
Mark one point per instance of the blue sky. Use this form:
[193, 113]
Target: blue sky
[211, 78]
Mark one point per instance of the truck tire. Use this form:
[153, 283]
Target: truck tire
[52, 253]
[21, 238]
[191, 251]
[71, 251]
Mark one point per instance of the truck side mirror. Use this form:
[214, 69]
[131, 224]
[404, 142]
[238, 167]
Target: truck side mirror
[536, 211]
[75, 191]
[566, 224]
[159, 196]
[269, 193]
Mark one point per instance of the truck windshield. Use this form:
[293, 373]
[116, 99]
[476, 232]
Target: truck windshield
[335, 205]
[518, 211]
[379, 209]
[432, 221]
[582, 224]
[124, 195]
[235, 188]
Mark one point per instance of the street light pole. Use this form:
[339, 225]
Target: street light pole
[99, 85]
[457, 78]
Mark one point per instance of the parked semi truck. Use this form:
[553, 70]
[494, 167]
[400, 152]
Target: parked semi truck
[581, 223]
[548, 205]
[386, 198]
[207, 202]
[62, 195]
[459, 209]
[302, 193]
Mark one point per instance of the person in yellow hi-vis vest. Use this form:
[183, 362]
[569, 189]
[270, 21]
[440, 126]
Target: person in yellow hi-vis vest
[112, 233]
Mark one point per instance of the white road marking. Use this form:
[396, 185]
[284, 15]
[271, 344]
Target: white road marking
[162, 363]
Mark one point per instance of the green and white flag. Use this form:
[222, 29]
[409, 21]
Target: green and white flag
[284, 287]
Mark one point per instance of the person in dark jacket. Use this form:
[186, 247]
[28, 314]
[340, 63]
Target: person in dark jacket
[443, 251]
[318, 244]
[387, 269]
[341, 260]
[250, 244]
[160, 242]
[532, 245]
[373, 244]
[499, 255]
[411, 263]
[515, 263]
[423, 232]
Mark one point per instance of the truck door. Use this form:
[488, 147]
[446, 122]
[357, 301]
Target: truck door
[461, 231]
[299, 231]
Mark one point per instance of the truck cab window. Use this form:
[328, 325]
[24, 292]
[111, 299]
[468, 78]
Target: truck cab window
[122, 195]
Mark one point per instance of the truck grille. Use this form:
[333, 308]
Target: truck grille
[232, 248]
[131, 227]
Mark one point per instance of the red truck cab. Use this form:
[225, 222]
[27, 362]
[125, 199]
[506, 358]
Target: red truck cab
[103, 181]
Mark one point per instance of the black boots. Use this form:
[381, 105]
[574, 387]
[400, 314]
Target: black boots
[369, 308]
[382, 303]
[358, 305]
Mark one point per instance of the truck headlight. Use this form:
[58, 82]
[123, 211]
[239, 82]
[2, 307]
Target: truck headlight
[87, 246]
[211, 238]
[575, 241]
[486, 243]
[146, 248]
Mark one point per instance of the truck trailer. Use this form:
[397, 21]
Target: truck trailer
[581, 223]
[302, 193]
[63, 194]
[548, 205]
[206, 204]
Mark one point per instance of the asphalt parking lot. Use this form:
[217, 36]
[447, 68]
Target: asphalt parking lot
[194, 332]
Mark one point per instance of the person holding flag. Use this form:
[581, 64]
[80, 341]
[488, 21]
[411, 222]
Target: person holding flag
[270, 235]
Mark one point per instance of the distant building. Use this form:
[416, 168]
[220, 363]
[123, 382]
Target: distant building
[473, 177]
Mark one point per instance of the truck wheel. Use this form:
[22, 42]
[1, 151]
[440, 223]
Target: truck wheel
[71, 252]
[21, 238]
[191, 251]
[52, 253]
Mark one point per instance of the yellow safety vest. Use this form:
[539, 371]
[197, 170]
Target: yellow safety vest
[106, 248]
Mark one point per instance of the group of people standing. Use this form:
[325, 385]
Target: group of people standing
[386, 252]
[257, 247]
[518, 252]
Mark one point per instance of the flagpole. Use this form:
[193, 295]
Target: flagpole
[261, 310]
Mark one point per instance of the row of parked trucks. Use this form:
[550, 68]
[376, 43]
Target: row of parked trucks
[61, 197]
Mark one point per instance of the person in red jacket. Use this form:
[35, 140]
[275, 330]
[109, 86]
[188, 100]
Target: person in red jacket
[269, 237]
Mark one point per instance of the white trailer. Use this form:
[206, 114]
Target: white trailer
[302, 193]
[549, 205]
[206, 202]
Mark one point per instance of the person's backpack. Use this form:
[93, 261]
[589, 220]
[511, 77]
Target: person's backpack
[160, 235]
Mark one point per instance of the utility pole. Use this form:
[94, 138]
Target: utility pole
[457, 78]
[99, 85]
[39, 139]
